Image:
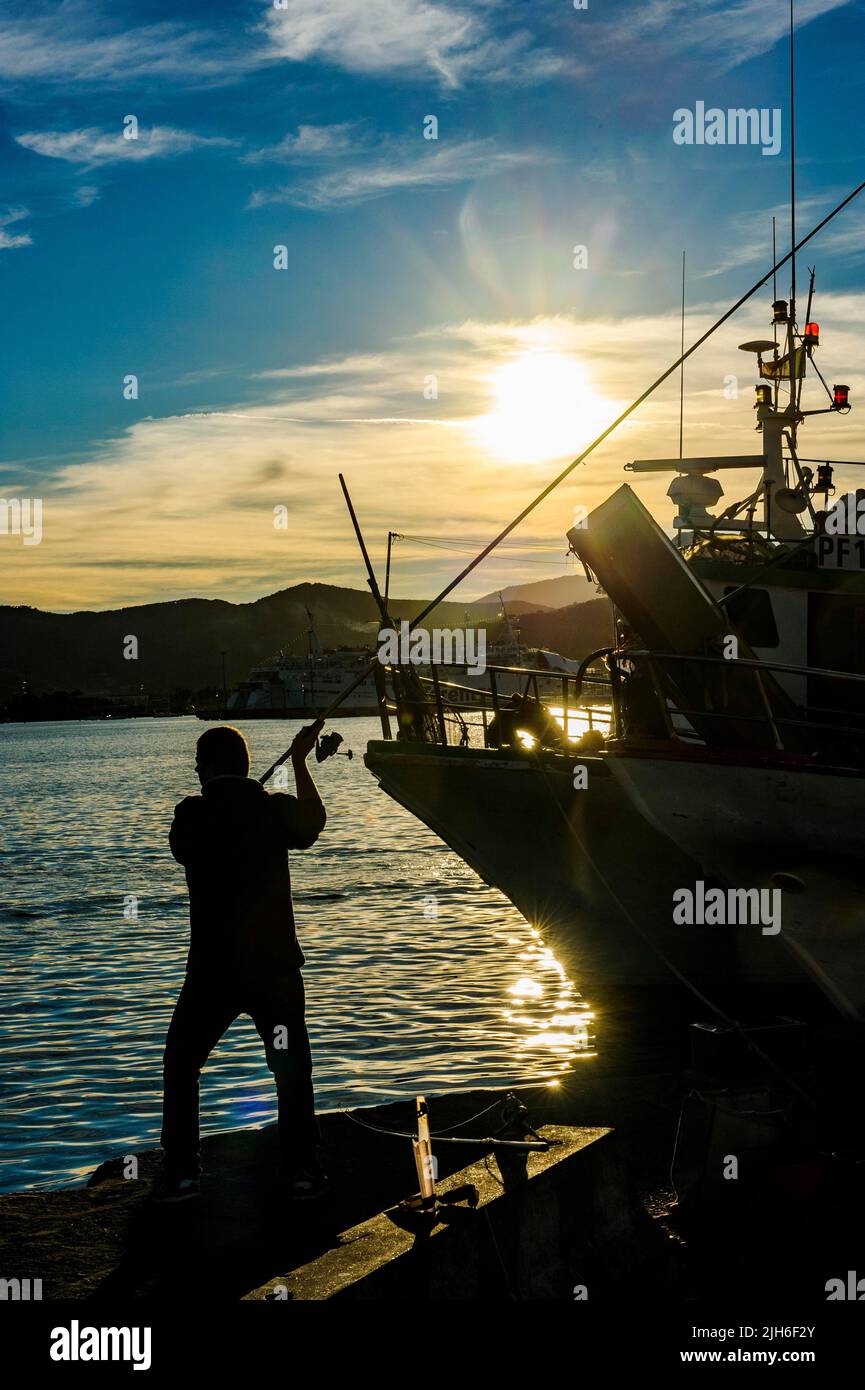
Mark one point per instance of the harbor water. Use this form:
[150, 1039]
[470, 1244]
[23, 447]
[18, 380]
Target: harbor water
[420, 978]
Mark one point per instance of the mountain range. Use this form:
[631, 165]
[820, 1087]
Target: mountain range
[561, 592]
[180, 644]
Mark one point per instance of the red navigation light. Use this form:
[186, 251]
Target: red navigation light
[840, 397]
[812, 335]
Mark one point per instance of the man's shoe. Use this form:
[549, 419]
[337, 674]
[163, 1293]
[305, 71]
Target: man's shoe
[170, 1189]
[307, 1181]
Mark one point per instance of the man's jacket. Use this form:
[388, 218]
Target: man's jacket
[233, 841]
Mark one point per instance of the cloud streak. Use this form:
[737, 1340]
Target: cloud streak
[312, 142]
[428, 166]
[91, 148]
[729, 32]
[406, 38]
[10, 241]
[67, 43]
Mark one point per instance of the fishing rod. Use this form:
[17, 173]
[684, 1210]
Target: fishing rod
[381, 604]
[581, 458]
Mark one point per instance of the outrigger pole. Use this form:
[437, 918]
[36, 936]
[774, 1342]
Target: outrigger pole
[581, 458]
[381, 602]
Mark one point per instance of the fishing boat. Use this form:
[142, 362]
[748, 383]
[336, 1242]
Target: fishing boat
[694, 816]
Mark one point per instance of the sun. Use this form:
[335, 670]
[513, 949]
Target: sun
[545, 407]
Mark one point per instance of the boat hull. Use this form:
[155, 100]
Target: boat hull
[596, 869]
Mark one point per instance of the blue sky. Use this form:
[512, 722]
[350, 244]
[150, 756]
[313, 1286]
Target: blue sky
[302, 125]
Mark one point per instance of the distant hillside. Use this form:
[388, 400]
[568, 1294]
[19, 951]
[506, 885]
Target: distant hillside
[545, 593]
[180, 643]
[574, 631]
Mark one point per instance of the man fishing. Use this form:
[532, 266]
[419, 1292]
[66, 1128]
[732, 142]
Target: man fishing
[233, 841]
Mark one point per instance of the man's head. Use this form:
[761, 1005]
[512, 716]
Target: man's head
[221, 751]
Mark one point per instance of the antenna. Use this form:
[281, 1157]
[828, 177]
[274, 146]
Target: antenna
[773, 302]
[792, 320]
[682, 372]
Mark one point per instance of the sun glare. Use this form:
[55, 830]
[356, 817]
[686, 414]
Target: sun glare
[545, 407]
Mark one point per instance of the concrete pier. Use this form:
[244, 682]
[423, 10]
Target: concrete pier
[552, 1225]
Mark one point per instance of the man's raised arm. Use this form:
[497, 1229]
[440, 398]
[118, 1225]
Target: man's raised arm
[308, 813]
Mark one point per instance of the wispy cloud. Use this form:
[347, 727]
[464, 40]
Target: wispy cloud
[750, 234]
[73, 44]
[728, 31]
[85, 196]
[92, 148]
[76, 43]
[10, 240]
[372, 177]
[405, 38]
[339, 366]
[311, 143]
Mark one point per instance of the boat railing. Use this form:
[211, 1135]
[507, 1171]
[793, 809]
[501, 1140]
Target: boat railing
[434, 708]
[798, 724]
[684, 698]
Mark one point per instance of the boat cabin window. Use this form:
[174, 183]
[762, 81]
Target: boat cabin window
[752, 613]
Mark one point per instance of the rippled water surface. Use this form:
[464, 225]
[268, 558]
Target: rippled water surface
[399, 1002]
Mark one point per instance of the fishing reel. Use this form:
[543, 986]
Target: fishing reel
[327, 746]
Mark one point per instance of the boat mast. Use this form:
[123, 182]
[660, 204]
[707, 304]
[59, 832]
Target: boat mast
[775, 384]
[391, 537]
[310, 636]
[791, 182]
[513, 632]
[791, 322]
[682, 372]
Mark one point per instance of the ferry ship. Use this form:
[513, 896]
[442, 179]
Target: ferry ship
[299, 686]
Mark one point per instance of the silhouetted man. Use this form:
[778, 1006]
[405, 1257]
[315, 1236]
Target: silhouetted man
[244, 956]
